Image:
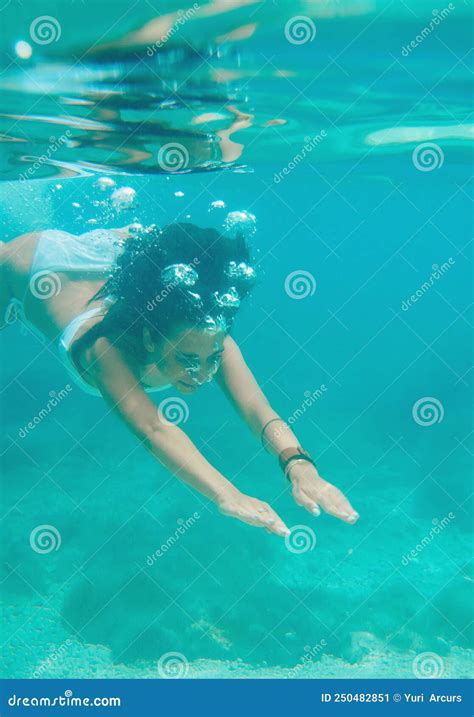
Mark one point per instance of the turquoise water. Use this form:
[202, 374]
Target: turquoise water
[367, 230]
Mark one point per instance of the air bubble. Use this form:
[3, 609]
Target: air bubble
[218, 204]
[123, 198]
[240, 222]
[23, 50]
[104, 183]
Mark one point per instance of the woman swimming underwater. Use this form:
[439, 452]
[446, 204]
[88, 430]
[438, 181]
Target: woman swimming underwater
[139, 310]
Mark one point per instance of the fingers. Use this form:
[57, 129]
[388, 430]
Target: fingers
[303, 499]
[334, 502]
[262, 515]
[326, 496]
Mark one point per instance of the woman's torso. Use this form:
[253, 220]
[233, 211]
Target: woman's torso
[52, 298]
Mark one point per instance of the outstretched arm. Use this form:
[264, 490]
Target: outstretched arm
[119, 386]
[309, 489]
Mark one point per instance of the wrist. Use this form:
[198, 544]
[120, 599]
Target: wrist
[292, 455]
[300, 469]
[223, 491]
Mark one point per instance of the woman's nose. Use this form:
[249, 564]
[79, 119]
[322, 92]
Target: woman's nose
[202, 376]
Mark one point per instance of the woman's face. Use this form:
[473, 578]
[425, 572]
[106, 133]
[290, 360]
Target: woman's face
[190, 358]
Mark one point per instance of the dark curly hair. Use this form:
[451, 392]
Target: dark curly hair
[140, 297]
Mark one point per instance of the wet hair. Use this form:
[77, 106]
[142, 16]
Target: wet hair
[141, 294]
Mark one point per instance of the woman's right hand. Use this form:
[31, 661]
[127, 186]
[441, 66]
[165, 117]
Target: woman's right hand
[251, 510]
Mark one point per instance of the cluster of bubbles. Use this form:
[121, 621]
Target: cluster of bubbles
[217, 204]
[240, 222]
[121, 198]
[107, 199]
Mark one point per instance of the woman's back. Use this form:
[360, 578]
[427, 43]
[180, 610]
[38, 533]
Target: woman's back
[52, 275]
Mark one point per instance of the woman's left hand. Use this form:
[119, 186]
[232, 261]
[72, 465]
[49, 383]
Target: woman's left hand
[313, 492]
